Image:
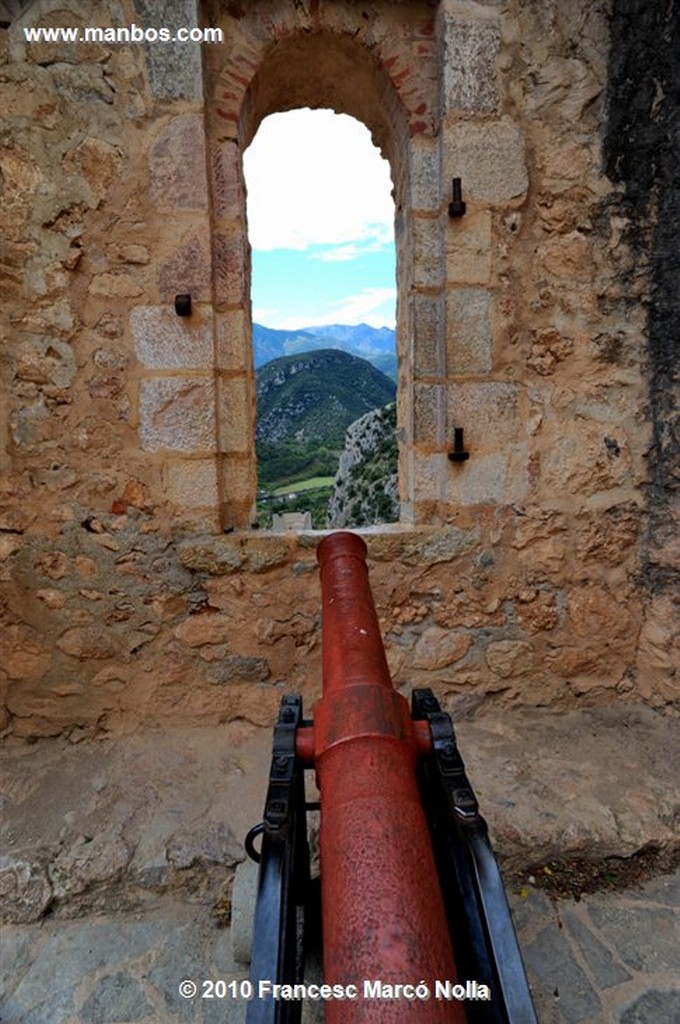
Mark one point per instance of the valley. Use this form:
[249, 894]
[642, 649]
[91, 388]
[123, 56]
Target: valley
[308, 406]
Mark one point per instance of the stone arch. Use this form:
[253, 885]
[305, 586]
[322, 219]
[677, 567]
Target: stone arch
[350, 68]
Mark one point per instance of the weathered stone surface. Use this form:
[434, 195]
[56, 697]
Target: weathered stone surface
[567, 256]
[193, 484]
[509, 658]
[587, 459]
[428, 249]
[490, 158]
[120, 286]
[174, 69]
[235, 422]
[424, 174]
[208, 844]
[187, 270]
[549, 349]
[437, 648]
[25, 890]
[116, 998]
[23, 653]
[469, 251]
[177, 413]
[470, 52]
[89, 642]
[210, 628]
[93, 860]
[98, 162]
[177, 164]
[468, 332]
[232, 340]
[428, 340]
[490, 413]
[659, 651]
[164, 341]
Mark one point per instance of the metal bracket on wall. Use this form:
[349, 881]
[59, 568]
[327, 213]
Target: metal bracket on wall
[457, 206]
[459, 454]
[183, 305]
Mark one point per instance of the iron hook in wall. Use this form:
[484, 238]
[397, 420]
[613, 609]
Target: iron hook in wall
[183, 305]
[459, 454]
[457, 206]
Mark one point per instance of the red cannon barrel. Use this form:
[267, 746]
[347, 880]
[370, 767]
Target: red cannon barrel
[383, 916]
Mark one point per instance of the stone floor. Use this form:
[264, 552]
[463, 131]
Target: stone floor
[113, 856]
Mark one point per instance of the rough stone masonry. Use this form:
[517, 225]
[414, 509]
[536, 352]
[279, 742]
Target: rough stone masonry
[542, 571]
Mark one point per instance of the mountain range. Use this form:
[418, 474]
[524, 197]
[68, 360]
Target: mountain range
[375, 344]
[314, 396]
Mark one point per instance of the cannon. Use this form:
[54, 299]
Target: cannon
[415, 922]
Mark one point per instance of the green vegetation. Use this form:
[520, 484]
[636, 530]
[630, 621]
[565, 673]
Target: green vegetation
[304, 405]
[315, 396]
[314, 484]
[287, 461]
[315, 500]
[366, 491]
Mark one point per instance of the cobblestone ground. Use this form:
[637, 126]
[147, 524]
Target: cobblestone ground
[608, 957]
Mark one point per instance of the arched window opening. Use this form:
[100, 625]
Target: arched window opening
[321, 229]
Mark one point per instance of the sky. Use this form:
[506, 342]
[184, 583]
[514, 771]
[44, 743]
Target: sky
[320, 223]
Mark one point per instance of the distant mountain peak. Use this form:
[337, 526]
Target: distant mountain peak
[376, 344]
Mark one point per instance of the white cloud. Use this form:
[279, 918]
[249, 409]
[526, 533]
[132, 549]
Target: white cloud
[373, 306]
[355, 250]
[315, 178]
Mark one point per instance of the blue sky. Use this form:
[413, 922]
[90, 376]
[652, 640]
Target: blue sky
[320, 223]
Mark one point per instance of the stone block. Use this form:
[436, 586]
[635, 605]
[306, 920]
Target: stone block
[165, 341]
[567, 257]
[235, 416]
[188, 269]
[470, 51]
[177, 413]
[193, 484]
[89, 643]
[233, 340]
[489, 413]
[425, 174]
[427, 315]
[509, 658]
[228, 192]
[174, 69]
[428, 477]
[115, 286]
[45, 361]
[230, 261]
[436, 648]
[429, 415]
[238, 479]
[594, 611]
[490, 158]
[479, 481]
[468, 249]
[98, 162]
[468, 332]
[428, 252]
[586, 459]
[177, 168]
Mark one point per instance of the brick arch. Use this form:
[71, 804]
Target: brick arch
[345, 62]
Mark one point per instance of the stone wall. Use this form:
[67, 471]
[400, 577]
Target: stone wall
[522, 575]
